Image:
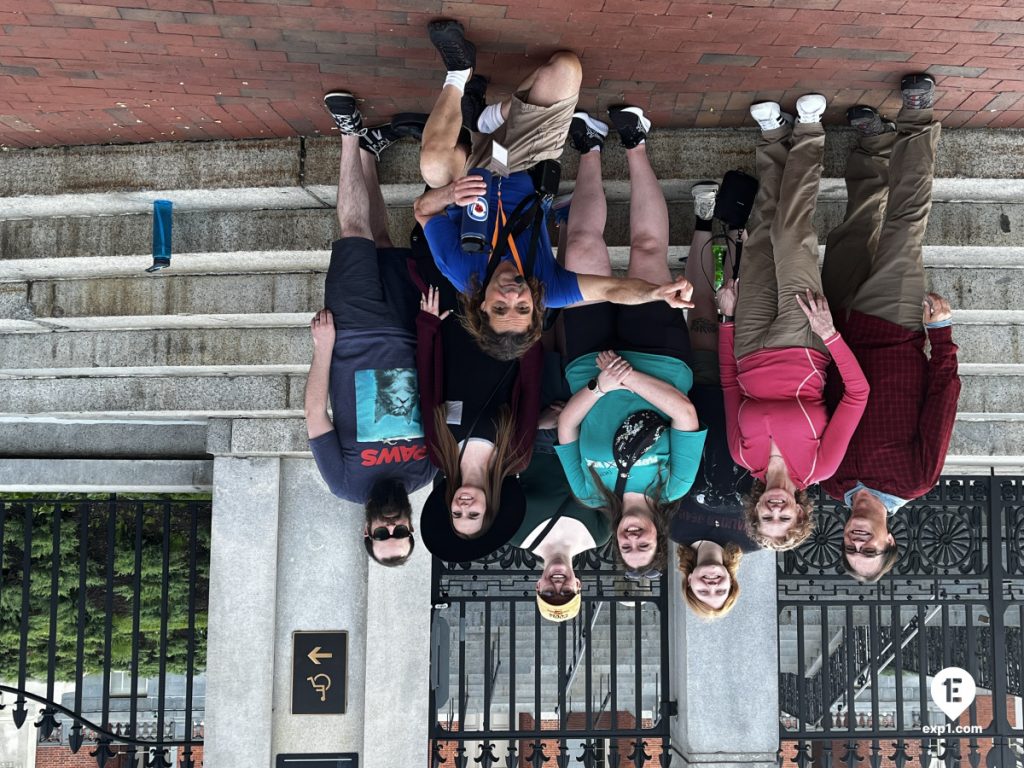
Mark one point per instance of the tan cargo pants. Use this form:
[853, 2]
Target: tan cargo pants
[780, 257]
[873, 260]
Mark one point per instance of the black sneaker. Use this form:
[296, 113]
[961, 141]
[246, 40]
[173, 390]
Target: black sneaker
[918, 91]
[867, 121]
[474, 101]
[449, 37]
[409, 124]
[631, 125]
[376, 140]
[345, 111]
[586, 132]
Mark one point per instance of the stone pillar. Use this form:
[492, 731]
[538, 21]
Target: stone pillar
[725, 675]
[321, 585]
[398, 658]
[243, 593]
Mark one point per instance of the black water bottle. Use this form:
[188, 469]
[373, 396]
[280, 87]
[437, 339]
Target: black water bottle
[475, 216]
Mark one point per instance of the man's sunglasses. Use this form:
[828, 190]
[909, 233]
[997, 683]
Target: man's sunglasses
[637, 575]
[864, 551]
[383, 534]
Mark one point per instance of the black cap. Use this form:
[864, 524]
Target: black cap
[445, 544]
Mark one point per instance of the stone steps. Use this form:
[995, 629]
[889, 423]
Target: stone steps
[254, 339]
[977, 212]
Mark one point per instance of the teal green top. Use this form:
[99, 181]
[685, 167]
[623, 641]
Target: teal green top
[678, 452]
[548, 494]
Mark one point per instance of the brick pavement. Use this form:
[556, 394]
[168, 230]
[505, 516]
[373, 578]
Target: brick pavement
[96, 71]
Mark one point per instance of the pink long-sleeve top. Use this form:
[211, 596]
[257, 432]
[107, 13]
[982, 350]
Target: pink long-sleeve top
[779, 394]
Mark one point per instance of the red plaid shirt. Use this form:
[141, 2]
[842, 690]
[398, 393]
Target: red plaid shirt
[901, 442]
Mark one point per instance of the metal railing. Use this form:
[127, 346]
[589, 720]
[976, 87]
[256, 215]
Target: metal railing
[857, 660]
[510, 688]
[103, 585]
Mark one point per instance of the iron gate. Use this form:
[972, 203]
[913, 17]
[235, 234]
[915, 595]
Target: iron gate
[106, 594]
[856, 660]
[518, 690]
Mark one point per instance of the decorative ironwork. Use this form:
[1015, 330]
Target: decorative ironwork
[856, 660]
[110, 586]
[509, 688]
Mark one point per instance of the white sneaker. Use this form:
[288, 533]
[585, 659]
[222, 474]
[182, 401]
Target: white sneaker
[810, 107]
[704, 194]
[769, 115]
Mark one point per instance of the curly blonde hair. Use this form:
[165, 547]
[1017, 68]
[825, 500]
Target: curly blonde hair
[688, 562]
[798, 533]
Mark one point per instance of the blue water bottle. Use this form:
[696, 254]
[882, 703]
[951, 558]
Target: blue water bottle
[474, 236]
[162, 213]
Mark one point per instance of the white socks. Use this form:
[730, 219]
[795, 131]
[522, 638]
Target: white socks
[458, 78]
[490, 119]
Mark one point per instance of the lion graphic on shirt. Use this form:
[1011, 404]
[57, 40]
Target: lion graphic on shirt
[396, 394]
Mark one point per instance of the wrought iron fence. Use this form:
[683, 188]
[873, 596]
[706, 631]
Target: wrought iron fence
[856, 661]
[510, 688]
[102, 588]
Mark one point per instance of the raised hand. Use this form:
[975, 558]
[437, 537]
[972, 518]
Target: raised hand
[936, 308]
[322, 328]
[725, 298]
[818, 313]
[431, 303]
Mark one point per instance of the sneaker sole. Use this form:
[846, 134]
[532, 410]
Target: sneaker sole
[592, 123]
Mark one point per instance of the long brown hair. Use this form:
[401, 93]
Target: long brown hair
[504, 461]
[660, 510]
[500, 346]
[798, 533]
[731, 557]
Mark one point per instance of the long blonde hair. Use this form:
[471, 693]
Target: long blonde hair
[731, 557]
[504, 462]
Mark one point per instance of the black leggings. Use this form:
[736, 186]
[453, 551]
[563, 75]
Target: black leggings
[654, 328]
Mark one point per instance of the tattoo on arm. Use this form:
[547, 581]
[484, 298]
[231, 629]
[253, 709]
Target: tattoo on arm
[703, 325]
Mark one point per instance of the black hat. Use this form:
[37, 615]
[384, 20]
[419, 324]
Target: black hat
[445, 544]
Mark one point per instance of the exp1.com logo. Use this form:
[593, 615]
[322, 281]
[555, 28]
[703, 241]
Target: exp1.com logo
[953, 691]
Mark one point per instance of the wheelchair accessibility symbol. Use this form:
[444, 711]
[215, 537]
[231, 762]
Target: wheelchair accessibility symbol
[321, 684]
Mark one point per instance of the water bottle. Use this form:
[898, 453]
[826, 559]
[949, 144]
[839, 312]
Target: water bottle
[162, 212]
[475, 216]
[718, 252]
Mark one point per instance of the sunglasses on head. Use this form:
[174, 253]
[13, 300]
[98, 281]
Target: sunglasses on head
[647, 573]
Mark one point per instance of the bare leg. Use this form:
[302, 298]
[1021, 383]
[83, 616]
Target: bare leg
[586, 251]
[353, 196]
[702, 320]
[648, 221]
[442, 160]
[558, 79]
[378, 210]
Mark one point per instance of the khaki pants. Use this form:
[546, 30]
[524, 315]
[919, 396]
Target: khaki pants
[530, 134]
[780, 257]
[873, 260]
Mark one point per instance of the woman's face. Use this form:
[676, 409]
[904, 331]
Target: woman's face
[637, 538]
[468, 507]
[710, 583]
[777, 512]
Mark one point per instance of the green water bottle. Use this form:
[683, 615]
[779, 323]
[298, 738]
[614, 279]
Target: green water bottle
[718, 252]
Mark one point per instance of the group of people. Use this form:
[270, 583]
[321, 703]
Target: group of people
[555, 406]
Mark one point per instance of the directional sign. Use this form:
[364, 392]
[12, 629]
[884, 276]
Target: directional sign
[347, 760]
[320, 681]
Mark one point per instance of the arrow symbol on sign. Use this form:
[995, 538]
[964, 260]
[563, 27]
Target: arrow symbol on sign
[316, 654]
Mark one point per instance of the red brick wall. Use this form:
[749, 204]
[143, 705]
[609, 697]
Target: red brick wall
[56, 756]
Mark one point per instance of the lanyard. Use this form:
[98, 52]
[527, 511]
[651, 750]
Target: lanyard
[501, 222]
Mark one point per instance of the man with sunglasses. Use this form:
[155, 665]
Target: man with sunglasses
[874, 276]
[364, 353]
